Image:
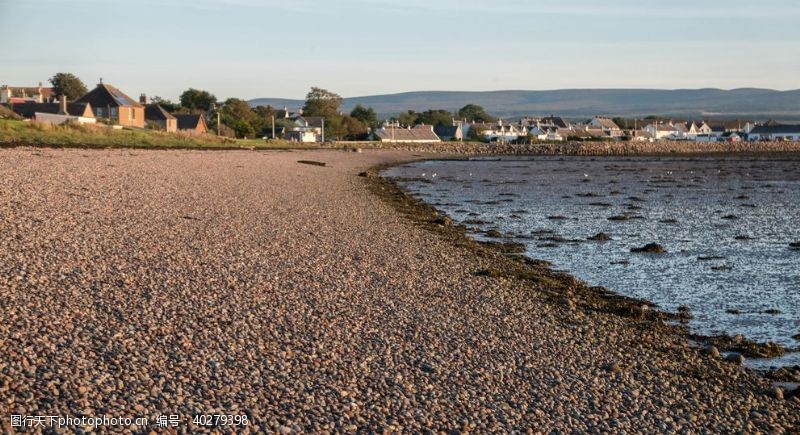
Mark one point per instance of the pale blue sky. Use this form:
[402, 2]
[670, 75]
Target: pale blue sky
[265, 48]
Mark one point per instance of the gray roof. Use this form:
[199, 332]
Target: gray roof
[417, 134]
[776, 129]
[445, 130]
[154, 112]
[188, 121]
[28, 110]
[106, 95]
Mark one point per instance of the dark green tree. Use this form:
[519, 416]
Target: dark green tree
[356, 129]
[238, 115]
[68, 85]
[196, 99]
[322, 102]
[168, 105]
[408, 119]
[435, 117]
[474, 112]
[365, 115]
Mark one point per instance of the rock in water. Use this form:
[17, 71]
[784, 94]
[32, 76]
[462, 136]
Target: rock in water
[600, 237]
[650, 248]
[795, 246]
[736, 358]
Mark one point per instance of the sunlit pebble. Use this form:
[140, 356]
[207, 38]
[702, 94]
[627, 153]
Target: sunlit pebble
[433, 176]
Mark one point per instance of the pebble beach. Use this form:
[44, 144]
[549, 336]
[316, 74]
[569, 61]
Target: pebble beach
[145, 283]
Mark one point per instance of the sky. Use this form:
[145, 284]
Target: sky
[265, 48]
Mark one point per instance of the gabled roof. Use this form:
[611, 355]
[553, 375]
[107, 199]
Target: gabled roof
[727, 125]
[445, 130]
[314, 121]
[106, 95]
[154, 112]
[189, 121]
[555, 120]
[606, 123]
[28, 110]
[776, 129]
[418, 133]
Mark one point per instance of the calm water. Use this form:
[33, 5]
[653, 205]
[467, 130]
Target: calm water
[726, 224]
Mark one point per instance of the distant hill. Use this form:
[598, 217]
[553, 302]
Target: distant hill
[581, 103]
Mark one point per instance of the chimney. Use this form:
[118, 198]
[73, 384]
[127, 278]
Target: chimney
[143, 99]
[62, 106]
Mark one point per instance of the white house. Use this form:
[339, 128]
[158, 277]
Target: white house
[661, 130]
[501, 132]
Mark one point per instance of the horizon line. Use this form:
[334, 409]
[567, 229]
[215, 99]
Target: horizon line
[542, 90]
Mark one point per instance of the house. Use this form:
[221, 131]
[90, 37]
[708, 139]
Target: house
[640, 136]
[501, 132]
[730, 136]
[449, 132]
[661, 130]
[719, 127]
[56, 113]
[555, 121]
[25, 94]
[607, 125]
[693, 129]
[775, 132]
[156, 115]
[303, 129]
[301, 135]
[418, 134]
[112, 104]
[192, 123]
[583, 132]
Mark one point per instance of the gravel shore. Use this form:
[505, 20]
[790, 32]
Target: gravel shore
[141, 283]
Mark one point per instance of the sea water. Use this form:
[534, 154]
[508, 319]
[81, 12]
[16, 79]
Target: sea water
[726, 224]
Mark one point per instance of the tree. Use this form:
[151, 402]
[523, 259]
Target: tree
[68, 85]
[474, 112]
[322, 102]
[435, 117]
[356, 129]
[168, 105]
[195, 99]
[365, 115]
[408, 119]
[238, 115]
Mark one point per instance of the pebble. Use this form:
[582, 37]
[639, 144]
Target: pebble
[295, 296]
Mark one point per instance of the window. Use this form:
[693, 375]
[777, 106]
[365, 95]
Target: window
[100, 112]
[113, 114]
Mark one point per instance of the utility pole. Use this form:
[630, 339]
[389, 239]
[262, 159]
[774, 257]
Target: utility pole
[273, 127]
[217, 109]
[323, 130]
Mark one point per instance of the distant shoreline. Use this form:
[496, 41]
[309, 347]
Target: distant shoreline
[599, 148]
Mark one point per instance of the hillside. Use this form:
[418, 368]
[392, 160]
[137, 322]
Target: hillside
[577, 103]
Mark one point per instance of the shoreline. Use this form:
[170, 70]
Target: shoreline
[578, 294]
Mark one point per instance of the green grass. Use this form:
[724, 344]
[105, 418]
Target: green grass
[21, 133]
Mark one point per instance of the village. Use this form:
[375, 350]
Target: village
[109, 106]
